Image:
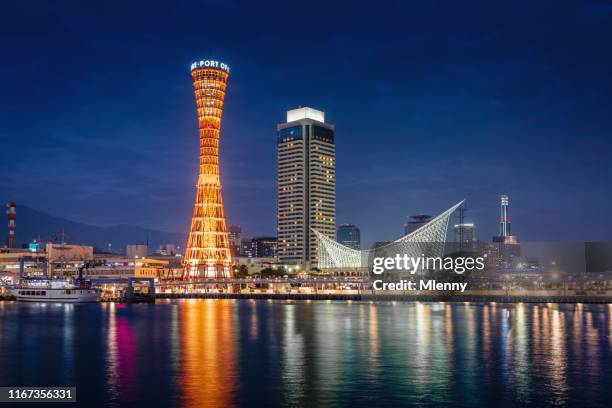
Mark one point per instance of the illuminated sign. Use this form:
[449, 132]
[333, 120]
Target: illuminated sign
[210, 64]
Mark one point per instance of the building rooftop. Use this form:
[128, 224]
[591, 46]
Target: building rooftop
[305, 113]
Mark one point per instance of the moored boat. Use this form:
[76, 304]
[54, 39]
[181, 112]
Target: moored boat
[55, 291]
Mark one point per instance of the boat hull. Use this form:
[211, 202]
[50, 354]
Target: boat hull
[56, 295]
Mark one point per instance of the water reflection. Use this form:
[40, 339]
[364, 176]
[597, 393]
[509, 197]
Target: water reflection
[557, 363]
[208, 372]
[120, 354]
[68, 343]
[610, 323]
[421, 352]
[427, 354]
[328, 350]
[112, 362]
[228, 353]
[371, 321]
[293, 375]
[520, 361]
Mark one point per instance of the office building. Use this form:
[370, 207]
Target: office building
[246, 248]
[349, 236]
[166, 250]
[235, 237]
[306, 183]
[415, 222]
[136, 251]
[465, 233]
[264, 247]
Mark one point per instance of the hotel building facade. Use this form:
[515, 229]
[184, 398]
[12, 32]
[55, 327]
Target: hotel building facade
[306, 186]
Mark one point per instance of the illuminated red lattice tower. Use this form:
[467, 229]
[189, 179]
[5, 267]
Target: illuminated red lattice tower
[208, 249]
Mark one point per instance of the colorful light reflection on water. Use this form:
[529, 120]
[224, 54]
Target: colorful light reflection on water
[230, 353]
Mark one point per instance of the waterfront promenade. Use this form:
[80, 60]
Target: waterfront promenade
[341, 289]
[375, 296]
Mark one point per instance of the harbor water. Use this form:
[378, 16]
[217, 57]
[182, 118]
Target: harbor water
[223, 352]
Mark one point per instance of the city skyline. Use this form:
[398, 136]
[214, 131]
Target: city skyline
[372, 204]
[536, 126]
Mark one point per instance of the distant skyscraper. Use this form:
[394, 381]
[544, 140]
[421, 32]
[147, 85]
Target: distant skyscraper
[465, 232]
[415, 222]
[235, 237]
[504, 223]
[349, 235]
[306, 182]
[509, 243]
[264, 247]
[246, 247]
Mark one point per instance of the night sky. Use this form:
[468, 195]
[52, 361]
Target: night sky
[433, 102]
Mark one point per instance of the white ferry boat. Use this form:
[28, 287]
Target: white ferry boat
[55, 291]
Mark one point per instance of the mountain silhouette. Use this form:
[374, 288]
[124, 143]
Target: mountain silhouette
[33, 224]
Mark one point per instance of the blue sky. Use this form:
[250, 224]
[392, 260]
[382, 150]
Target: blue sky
[433, 102]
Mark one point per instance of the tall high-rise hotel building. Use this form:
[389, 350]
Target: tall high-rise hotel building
[306, 183]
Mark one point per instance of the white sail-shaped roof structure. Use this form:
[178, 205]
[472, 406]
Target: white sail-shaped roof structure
[429, 238]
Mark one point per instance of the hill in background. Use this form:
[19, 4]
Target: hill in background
[34, 224]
